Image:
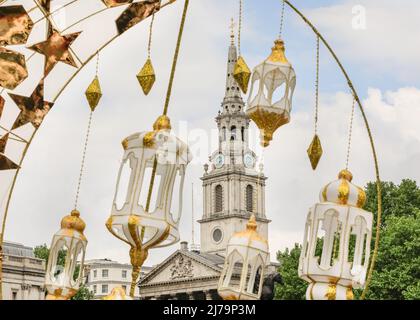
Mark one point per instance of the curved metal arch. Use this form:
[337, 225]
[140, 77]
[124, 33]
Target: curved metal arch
[371, 140]
[28, 142]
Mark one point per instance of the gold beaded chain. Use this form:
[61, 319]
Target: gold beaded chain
[350, 133]
[240, 26]
[82, 165]
[317, 87]
[281, 19]
[149, 44]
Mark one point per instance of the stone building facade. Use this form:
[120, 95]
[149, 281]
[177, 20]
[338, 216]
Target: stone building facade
[23, 274]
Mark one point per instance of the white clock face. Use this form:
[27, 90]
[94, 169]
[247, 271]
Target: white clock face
[249, 160]
[219, 161]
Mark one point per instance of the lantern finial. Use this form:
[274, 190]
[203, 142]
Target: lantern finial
[252, 224]
[277, 52]
[73, 222]
[345, 174]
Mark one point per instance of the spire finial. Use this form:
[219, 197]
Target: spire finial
[232, 31]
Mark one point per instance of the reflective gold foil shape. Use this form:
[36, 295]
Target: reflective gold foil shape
[15, 25]
[33, 109]
[56, 49]
[146, 77]
[268, 122]
[116, 3]
[135, 13]
[242, 74]
[5, 162]
[94, 93]
[315, 152]
[12, 68]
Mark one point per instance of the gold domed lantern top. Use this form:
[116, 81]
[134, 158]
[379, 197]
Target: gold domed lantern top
[343, 191]
[274, 73]
[63, 282]
[246, 259]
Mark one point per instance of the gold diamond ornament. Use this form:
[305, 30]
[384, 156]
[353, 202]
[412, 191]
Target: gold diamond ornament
[147, 77]
[94, 93]
[315, 152]
[242, 74]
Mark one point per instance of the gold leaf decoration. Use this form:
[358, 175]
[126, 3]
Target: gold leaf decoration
[147, 77]
[15, 25]
[94, 93]
[242, 74]
[12, 68]
[268, 122]
[315, 152]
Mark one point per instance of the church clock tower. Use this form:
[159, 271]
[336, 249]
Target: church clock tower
[233, 188]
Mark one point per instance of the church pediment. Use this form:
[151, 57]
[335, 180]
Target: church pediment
[181, 266]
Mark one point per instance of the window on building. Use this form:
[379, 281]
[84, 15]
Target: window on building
[218, 198]
[104, 288]
[124, 288]
[105, 273]
[95, 273]
[124, 274]
[249, 198]
[233, 133]
[14, 295]
[243, 133]
[224, 133]
[95, 288]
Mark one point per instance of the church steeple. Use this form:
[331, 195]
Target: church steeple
[233, 188]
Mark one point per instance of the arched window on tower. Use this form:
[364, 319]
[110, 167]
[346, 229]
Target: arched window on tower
[233, 133]
[218, 198]
[249, 198]
[243, 133]
[224, 134]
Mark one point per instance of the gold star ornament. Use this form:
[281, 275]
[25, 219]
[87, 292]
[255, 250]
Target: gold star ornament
[146, 77]
[33, 109]
[56, 49]
[242, 74]
[315, 152]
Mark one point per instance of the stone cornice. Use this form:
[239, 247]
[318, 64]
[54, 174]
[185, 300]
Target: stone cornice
[234, 215]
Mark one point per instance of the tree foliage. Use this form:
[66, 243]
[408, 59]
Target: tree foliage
[397, 269]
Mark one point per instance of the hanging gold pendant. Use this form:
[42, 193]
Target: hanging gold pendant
[242, 74]
[315, 151]
[94, 93]
[147, 77]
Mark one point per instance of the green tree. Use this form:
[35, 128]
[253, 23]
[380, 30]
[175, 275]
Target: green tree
[397, 270]
[43, 252]
[293, 288]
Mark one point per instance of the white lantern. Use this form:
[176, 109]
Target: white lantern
[246, 259]
[275, 77]
[63, 282]
[336, 247]
[144, 217]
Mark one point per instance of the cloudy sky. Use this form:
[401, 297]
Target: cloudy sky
[377, 41]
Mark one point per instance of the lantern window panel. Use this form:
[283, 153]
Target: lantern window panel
[254, 276]
[125, 180]
[60, 251]
[144, 191]
[305, 245]
[77, 259]
[327, 227]
[358, 245]
[176, 201]
[235, 262]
